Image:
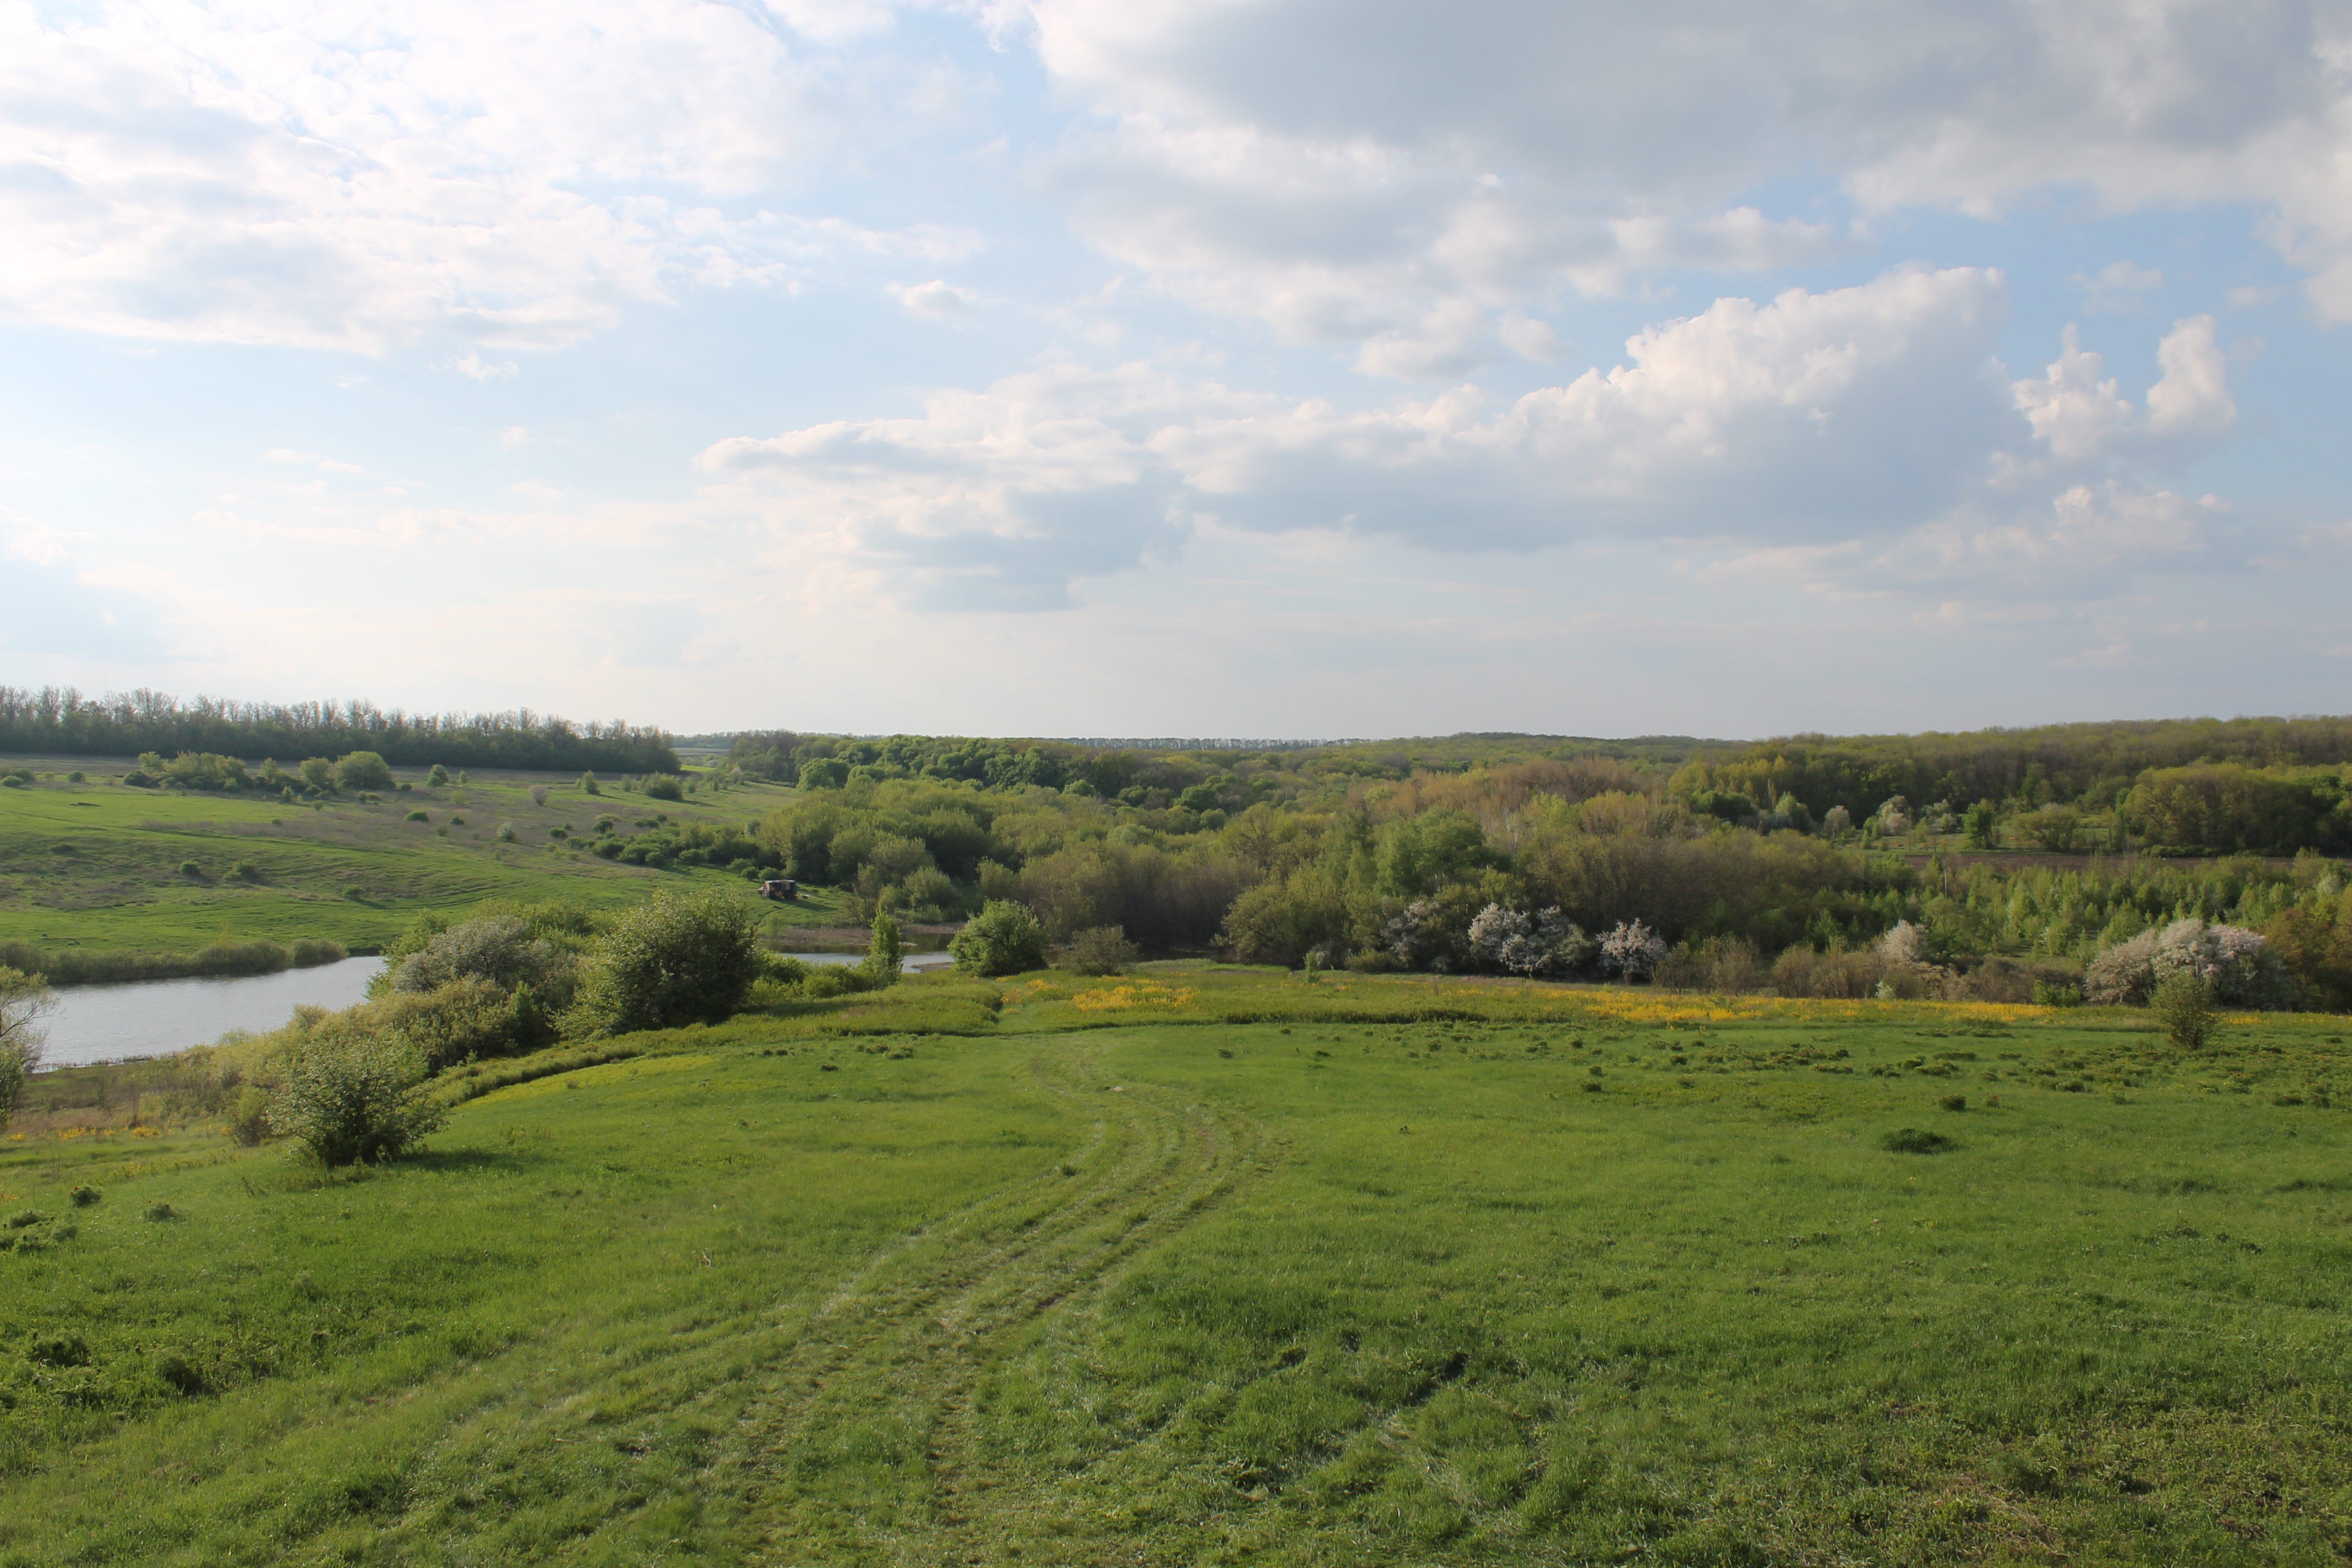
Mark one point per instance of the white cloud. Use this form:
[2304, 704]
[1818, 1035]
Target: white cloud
[2082, 420]
[2192, 401]
[354, 174]
[937, 300]
[1865, 431]
[1354, 172]
[473, 367]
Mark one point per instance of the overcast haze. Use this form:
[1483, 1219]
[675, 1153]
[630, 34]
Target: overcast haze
[1242, 367]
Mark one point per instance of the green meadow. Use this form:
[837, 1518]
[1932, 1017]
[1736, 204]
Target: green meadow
[1214, 1266]
[100, 866]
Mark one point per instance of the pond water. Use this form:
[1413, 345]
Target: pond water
[151, 1017]
[912, 964]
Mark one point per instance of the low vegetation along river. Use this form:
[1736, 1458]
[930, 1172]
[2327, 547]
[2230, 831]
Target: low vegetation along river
[150, 1018]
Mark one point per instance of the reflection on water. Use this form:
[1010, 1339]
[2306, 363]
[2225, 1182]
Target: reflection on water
[151, 1017]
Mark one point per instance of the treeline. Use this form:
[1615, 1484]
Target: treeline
[61, 722]
[2094, 766]
[1535, 868]
[1208, 779]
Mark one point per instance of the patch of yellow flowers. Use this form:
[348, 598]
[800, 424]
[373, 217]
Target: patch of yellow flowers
[1136, 995]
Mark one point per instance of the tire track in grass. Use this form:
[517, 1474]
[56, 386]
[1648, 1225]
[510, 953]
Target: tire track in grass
[861, 1445]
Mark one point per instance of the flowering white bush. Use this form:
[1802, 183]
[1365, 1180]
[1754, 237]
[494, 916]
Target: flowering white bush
[1545, 942]
[2235, 967]
[1632, 950]
[1903, 943]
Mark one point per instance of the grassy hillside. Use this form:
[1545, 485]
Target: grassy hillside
[98, 864]
[1211, 1265]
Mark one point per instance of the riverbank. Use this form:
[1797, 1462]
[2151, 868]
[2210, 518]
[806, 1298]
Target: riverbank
[77, 967]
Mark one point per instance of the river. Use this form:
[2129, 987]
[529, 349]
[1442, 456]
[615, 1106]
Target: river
[154, 1017]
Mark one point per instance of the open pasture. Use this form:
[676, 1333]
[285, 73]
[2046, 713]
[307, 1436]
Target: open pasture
[101, 865]
[1208, 1266]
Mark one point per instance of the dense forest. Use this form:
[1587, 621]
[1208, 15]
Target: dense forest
[61, 722]
[1733, 867]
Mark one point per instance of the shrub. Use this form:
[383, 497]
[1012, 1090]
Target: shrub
[457, 1022]
[664, 786]
[884, 953]
[1632, 950]
[2236, 966]
[1914, 1140]
[363, 769]
[2047, 993]
[506, 833]
[679, 958]
[23, 998]
[1004, 938]
[83, 1196]
[539, 794]
[1953, 1102]
[588, 785]
[246, 871]
[1104, 950]
[500, 950]
[249, 1118]
[190, 869]
[420, 816]
[436, 777]
[2184, 1006]
[1544, 942]
[317, 773]
[360, 1097]
[1726, 965]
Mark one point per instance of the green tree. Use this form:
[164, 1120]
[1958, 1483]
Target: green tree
[1982, 825]
[2052, 829]
[23, 999]
[2181, 1003]
[884, 953]
[1418, 854]
[1004, 938]
[319, 773]
[363, 769]
[664, 786]
[677, 959]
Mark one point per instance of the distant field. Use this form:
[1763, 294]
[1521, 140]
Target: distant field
[1211, 1265]
[98, 865]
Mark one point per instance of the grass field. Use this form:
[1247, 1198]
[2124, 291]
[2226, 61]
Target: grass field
[99, 866]
[1211, 1265]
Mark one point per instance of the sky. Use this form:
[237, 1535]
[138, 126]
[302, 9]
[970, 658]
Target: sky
[1273, 368]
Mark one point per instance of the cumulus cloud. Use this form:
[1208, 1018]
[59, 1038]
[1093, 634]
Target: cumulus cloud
[354, 174]
[1355, 171]
[937, 300]
[1868, 426]
[2081, 419]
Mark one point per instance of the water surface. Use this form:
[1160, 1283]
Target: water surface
[154, 1017]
